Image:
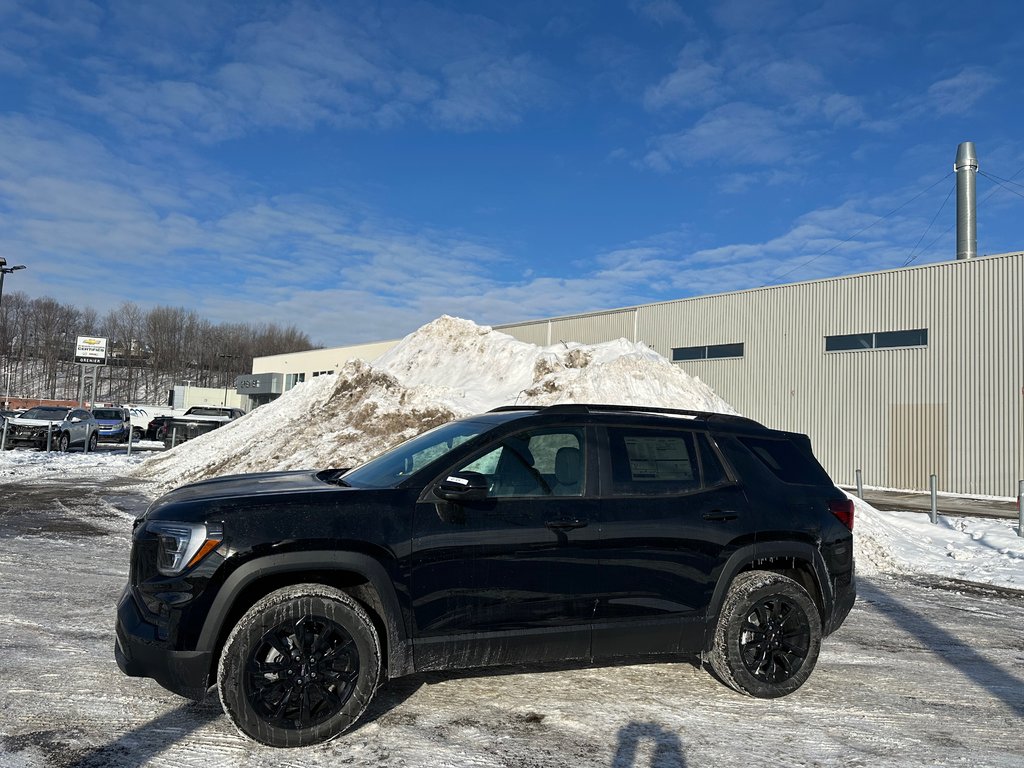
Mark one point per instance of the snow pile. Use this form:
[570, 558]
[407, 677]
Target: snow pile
[975, 549]
[446, 369]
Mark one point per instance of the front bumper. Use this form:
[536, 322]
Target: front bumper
[140, 652]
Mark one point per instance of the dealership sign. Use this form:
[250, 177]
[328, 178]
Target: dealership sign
[90, 349]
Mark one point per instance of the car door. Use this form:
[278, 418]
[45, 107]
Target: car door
[78, 421]
[499, 580]
[669, 519]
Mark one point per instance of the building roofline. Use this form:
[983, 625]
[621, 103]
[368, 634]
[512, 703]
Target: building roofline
[598, 312]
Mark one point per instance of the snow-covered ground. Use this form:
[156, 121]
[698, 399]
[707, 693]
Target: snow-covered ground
[923, 673]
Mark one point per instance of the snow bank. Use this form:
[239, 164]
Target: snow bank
[975, 549]
[446, 369]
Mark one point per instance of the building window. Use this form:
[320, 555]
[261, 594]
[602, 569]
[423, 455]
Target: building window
[880, 340]
[291, 379]
[707, 352]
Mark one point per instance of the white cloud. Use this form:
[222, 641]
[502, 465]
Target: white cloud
[959, 94]
[237, 69]
[661, 12]
[736, 133]
[695, 82]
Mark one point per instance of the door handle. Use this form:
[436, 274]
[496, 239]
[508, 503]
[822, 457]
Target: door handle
[719, 516]
[565, 525]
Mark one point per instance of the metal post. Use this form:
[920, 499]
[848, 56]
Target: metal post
[3, 438]
[131, 437]
[174, 437]
[85, 448]
[860, 485]
[81, 384]
[933, 483]
[49, 437]
[1020, 508]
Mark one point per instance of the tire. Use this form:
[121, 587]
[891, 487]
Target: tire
[768, 635]
[94, 440]
[136, 434]
[318, 692]
[64, 442]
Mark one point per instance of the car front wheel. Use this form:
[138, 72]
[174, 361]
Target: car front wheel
[768, 635]
[300, 666]
[64, 442]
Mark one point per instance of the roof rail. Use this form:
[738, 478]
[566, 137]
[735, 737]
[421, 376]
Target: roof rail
[607, 408]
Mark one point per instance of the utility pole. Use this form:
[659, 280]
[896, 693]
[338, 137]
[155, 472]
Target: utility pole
[4, 271]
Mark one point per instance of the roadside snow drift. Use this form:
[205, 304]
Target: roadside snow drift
[447, 369]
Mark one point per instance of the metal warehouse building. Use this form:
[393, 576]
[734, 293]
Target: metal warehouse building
[901, 373]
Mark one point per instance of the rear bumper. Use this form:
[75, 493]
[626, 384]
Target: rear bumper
[845, 590]
[140, 652]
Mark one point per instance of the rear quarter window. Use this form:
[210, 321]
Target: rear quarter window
[787, 461]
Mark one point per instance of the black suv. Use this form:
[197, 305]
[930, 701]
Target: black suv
[520, 535]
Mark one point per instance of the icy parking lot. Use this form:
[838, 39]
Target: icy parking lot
[926, 671]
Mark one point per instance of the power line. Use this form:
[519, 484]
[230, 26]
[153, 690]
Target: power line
[912, 257]
[994, 190]
[861, 231]
[1001, 184]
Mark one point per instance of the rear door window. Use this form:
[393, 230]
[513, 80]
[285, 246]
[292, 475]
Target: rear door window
[652, 462]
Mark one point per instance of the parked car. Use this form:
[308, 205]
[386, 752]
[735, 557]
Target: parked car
[67, 428]
[197, 420]
[518, 536]
[115, 424]
[157, 426]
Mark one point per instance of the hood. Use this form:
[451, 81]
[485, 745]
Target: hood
[23, 422]
[260, 484]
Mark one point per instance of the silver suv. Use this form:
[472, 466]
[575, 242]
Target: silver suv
[67, 428]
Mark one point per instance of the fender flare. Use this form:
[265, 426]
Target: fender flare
[399, 648]
[750, 555]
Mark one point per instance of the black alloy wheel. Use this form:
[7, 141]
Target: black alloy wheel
[300, 667]
[768, 635]
[775, 639]
[301, 672]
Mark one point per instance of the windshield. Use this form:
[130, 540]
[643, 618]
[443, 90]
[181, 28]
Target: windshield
[47, 414]
[392, 467]
[108, 413]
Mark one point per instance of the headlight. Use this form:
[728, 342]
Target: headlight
[182, 545]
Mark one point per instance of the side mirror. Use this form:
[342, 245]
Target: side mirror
[75, 419]
[462, 486]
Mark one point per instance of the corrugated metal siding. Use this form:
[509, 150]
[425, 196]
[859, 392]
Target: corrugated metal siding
[955, 407]
[532, 333]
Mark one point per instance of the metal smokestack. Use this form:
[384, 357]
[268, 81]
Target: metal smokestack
[966, 166]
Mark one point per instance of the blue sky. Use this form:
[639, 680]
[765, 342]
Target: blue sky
[357, 169]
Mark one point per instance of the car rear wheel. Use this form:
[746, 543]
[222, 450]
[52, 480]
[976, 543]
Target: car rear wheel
[768, 635]
[300, 666]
